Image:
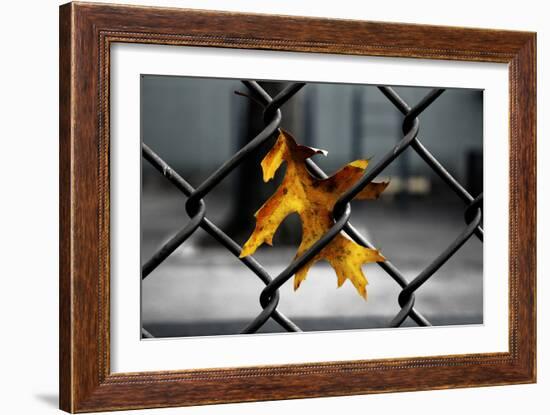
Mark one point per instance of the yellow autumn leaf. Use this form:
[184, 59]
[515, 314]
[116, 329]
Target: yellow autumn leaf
[313, 200]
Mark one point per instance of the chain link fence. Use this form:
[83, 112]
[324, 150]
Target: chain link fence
[269, 296]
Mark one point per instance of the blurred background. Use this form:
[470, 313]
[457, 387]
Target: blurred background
[195, 124]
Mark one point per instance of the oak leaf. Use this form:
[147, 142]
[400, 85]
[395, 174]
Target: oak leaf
[313, 200]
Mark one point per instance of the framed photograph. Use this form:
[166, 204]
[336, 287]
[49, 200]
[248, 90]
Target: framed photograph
[259, 207]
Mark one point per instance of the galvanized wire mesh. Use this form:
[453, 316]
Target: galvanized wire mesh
[269, 297]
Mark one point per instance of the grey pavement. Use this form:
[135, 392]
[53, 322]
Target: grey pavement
[201, 289]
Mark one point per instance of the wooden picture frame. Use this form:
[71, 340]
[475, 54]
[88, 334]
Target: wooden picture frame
[86, 33]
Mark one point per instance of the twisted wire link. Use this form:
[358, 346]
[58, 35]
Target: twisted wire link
[269, 297]
[387, 265]
[472, 215]
[435, 165]
[342, 209]
[196, 208]
[405, 299]
[215, 232]
[182, 235]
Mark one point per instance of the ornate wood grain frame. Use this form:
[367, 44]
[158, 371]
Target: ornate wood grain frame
[86, 33]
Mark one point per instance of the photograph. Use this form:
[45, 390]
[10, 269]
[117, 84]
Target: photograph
[267, 203]
[234, 192]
